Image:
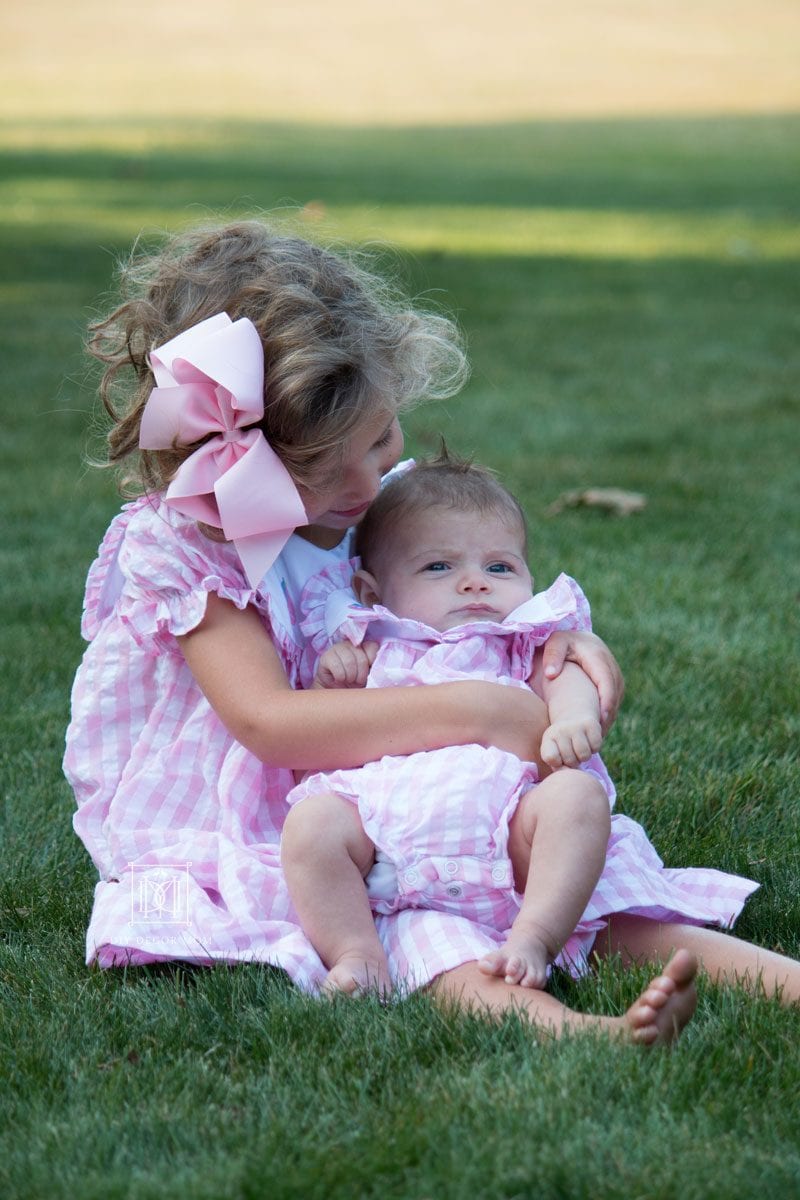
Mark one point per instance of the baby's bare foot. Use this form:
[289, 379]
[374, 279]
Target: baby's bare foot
[523, 959]
[354, 975]
[666, 1004]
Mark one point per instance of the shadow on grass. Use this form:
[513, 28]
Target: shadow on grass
[748, 163]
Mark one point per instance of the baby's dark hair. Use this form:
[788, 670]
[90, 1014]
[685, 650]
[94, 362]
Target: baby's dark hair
[339, 343]
[446, 481]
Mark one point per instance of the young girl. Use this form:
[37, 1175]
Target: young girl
[467, 830]
[255, 380]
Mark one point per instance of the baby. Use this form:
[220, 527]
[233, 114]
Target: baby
[445, 593]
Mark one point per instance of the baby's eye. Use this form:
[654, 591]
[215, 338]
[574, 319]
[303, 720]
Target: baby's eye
[500, 568]
[437, 566]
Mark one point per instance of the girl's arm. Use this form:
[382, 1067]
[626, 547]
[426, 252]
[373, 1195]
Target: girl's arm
[235, 663]
[595, 659]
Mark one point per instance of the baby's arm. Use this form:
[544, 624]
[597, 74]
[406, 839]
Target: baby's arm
[573, 705]
[344, 665]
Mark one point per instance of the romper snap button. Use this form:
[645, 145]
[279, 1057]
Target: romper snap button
[410, 876]
[454, 889]
[451, 867]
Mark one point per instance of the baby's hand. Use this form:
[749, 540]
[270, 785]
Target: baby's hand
[345, 665]
[569, 743]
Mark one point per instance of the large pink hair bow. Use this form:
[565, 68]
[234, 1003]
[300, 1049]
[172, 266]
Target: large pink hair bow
[211, 380]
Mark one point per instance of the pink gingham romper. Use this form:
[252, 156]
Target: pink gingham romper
[440, 819]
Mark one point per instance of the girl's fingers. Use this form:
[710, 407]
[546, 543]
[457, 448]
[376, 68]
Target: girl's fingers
[554, 656]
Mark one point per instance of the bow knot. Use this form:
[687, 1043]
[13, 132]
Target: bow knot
[210, 380]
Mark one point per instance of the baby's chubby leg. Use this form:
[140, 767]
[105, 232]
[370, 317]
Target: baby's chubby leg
[557, 845]
[326, 856]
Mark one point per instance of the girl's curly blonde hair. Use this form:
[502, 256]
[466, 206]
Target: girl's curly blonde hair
[338, 344]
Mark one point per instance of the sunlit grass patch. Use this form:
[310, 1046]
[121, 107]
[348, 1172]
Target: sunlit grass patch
[579, 233]
[115, 211]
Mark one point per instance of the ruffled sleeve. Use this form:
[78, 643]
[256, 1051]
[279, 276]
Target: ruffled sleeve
[154, 573]
[168, 568]
[329, 610]
[562, 606]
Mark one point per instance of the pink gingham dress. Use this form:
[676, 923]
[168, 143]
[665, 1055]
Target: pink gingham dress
[181, 821]
[440, 819]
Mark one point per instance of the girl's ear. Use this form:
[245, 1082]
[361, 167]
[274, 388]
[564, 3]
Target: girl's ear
[365, 587]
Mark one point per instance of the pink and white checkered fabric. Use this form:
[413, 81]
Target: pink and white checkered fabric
[181, 821]
[439, 819]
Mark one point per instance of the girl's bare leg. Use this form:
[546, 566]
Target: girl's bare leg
[655, 1018]
[326, 856]
[557, 846]
[725, 959]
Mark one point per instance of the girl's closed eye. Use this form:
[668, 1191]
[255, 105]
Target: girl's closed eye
[386, 438]
[391, 432]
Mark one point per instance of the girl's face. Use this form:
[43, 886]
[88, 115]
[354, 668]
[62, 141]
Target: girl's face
[372, 452]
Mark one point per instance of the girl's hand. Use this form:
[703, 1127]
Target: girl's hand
[596, 660]
[344, 665]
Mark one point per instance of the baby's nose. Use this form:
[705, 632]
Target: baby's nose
[474, 581]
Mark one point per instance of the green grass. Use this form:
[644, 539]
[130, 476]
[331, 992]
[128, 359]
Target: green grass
[630, 291]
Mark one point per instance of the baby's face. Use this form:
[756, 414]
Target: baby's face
[449, 567]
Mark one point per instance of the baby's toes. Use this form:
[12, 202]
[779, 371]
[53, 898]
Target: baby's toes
[533, 977]
[516, 968]
[493, 963]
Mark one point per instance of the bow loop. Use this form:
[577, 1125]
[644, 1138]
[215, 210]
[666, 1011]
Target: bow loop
[210, 380]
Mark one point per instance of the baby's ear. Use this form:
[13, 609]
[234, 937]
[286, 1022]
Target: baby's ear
[365, 587]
